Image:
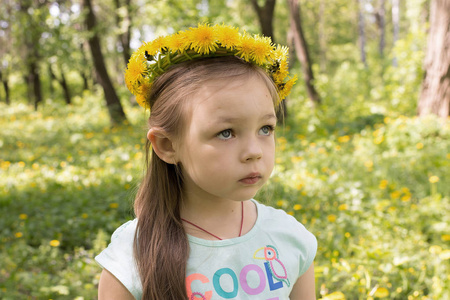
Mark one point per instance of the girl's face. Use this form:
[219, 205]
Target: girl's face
[228, 148]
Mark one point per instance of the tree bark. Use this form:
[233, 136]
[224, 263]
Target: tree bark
[301, 49]
[396, 25]
[5, 83]
[435, 95]
[65, 87]
[265, 16]
[124, 25]
[361, 31]
[35, 80]
[112, 100]
[380, 18]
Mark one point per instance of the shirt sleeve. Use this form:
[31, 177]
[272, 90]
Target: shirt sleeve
[309, 245]
[118, 258]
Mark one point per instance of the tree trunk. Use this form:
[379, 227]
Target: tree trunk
[380, 18]
[265, 16]
[396, 25]
[52, 78]
[35, 80]
[112, 100]
[361, 31]
[124, 25]
[4, 80]
[435, 95]
[322, 37]
[65, 87]
[301, 49]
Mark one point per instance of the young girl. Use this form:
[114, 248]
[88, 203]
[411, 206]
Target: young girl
[213, 95]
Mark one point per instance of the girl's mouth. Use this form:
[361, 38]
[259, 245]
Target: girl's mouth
[251, 178]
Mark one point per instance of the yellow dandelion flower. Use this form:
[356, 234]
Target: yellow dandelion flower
[378, 140]
[85, 216]
[433, 179]
[153, 47]
[23, 216]
[227, 36]
[142, 101]
[18, 235]
[343, 207]
[287, 88]
[282, 72]
[245, 47]
[381, 292]
[419, 146]
[297, 207]
[281, 52]
[368, 164]
[383, 184]
[114, 205]
[54, 243]
[334, 296]
[343, 139]
[134, 73]
[177, 42]
[332, 218]
[445, 237]
[262, 50]
[203, 39]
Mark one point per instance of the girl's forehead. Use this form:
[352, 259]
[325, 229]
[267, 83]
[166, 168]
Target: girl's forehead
[226, 100]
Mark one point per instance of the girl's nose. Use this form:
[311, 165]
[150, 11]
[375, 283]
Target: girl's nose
[252, 150]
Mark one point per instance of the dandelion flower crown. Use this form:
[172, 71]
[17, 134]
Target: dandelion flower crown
[155, 57]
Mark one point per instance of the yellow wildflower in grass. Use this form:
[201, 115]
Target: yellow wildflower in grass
[381, 292]
[383, 184]
[89, 135]
[262, 48]
[35, 166]
[54, 243]
[433, 179]
[18, 235]
[21, 164]
[368, 164]
[85, 216]
[5, 165]
[448, 155]
[23, 216]
[419, 146]
[435, 249]
[297, 207]
[245, 48]
[445, 237]
[203, 38]
[347, 234]
[290, 213]
[343, 139]
[334, 296]
[343, 206]
[378, 140]
[114, 205]
[322, 150]
[332, 218]
[395, 195]
[406, 197]
[227, 36]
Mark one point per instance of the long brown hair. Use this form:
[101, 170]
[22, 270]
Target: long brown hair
[161, 247]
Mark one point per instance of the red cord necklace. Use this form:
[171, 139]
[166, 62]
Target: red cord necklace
[204, 230]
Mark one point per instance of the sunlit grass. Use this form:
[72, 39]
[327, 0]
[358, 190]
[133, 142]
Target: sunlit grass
[374, 192]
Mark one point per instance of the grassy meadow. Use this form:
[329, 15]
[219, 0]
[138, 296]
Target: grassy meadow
[370, 183]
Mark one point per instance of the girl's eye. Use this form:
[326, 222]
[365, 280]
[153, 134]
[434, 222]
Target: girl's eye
[266, 130]
[225, 135]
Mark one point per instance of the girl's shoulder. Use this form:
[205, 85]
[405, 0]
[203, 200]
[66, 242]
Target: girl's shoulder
[125, 230]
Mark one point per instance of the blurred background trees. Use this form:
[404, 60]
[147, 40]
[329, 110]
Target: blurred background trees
[53, 50]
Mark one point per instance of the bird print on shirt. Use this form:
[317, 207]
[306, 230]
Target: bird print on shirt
[270, 254]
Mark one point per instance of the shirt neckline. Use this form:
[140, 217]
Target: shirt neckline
[233, 241]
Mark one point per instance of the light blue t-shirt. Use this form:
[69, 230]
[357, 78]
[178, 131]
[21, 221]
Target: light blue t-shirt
[263, 264]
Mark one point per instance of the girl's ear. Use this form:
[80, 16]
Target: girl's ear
[162, 145]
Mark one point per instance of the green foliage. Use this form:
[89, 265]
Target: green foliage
[372, 187]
